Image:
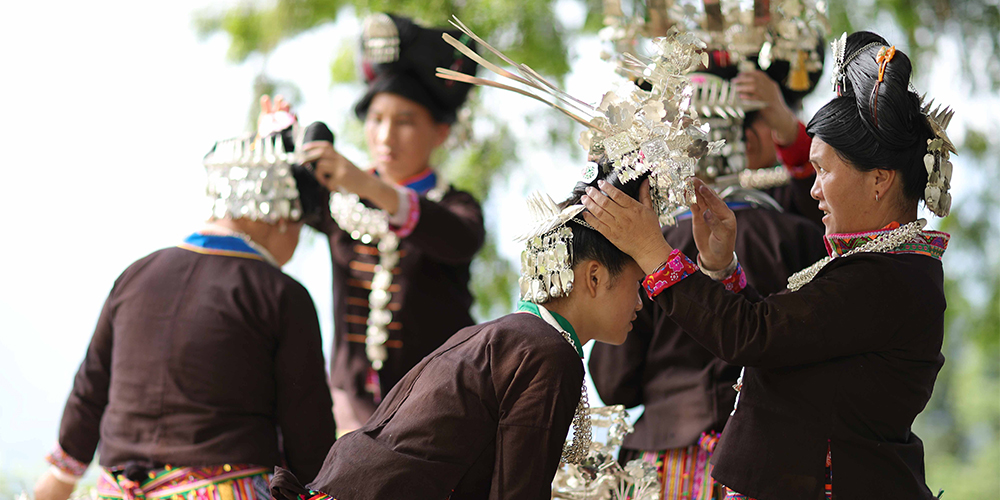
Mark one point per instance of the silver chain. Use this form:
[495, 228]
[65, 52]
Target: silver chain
[582, 434]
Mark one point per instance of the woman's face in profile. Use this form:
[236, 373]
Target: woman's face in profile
[846, 195]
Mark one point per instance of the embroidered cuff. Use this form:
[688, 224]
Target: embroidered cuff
[795, 156]
[736, 281]
[405, 219]
[66, 464]
[676, 268]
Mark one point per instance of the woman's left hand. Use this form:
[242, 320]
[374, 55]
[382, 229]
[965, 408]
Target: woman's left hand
[630, 225]
[714, 227]
[332, 169]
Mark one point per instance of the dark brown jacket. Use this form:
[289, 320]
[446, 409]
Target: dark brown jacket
[430, 294]
[483, 417]
[848, 362]
[202, 360]
[685, 388]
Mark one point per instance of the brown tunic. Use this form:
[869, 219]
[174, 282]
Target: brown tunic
[848, 361]
[430, 294]
[483, 417]
[685, 388]
[202, 360]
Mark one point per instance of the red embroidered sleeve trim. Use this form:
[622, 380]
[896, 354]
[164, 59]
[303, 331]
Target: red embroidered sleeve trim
[795, 156]
[62, 461]
[676, 268]
[736, 281]
[412, 218]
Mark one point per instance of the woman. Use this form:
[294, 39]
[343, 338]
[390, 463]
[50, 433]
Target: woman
[485, 416]
[686, 391]
[206, 367]
[401, 238]
[838, 368]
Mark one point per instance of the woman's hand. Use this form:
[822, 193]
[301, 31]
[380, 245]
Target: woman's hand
[332, 169]
[336, 172]
[758, 86]
[49, 487]
[714, 228]
[630, 225]
[274, 116]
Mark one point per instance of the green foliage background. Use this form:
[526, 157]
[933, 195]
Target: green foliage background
[961, 425]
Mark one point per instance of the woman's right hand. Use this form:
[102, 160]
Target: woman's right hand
[49, 487]
[630, 225]
[714, 228]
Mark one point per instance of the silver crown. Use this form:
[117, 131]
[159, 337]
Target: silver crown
[252, 179]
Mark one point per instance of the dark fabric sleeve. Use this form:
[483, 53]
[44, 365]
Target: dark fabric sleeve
[80, 430]
[536, 410]
[304, 406]
[818, 322]
[450, 231]
[617, 369]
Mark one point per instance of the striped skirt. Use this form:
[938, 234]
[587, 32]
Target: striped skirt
[684, 473]
[220, 482]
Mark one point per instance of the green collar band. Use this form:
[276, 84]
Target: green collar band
[532, 308]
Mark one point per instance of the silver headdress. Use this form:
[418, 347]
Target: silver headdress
[639, 132]
[252, 179]
[717, 104]
[787, 30]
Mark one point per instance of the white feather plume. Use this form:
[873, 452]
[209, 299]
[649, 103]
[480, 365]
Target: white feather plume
[546, 216]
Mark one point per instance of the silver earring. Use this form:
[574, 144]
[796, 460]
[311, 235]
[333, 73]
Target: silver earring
[283, 226]
[876, 196]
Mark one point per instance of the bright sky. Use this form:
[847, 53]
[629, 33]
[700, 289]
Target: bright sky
[110, 107]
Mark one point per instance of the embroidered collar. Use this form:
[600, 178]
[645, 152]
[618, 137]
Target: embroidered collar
[421, 183]
[214, 244]
[532, 308]
[929, 243]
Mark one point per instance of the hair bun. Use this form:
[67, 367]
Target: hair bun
[880, 88]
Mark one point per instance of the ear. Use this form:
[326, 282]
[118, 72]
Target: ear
[884, 180]
[441, 133]
[592, 276]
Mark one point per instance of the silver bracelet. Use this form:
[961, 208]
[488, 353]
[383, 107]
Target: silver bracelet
[722, 274]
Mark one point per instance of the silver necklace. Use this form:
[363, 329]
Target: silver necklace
[225, 231]
[371, 225]
[882, 243]
[576, 452]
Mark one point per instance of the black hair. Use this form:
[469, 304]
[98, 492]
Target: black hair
[589, 244]
[874, 125]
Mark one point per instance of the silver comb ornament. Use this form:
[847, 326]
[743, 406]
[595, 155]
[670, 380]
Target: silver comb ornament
[252, 179]
[937, 160]
[380, 39]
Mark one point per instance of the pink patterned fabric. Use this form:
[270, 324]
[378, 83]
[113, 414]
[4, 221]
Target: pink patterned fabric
[685, 473]
[412, 217]
[676, 268]
[214, 482]
[62, 461]
[736, 281]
